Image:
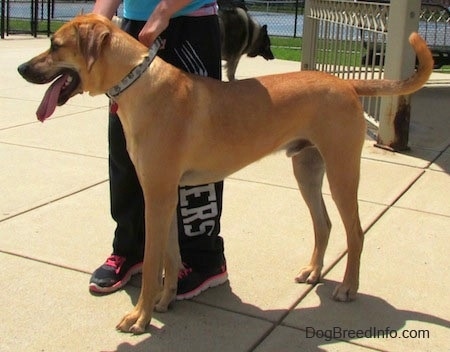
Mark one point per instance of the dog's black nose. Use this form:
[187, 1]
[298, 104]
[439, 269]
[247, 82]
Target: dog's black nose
[23, 69]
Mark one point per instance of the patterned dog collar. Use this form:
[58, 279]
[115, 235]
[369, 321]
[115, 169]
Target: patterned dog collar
[136, 72]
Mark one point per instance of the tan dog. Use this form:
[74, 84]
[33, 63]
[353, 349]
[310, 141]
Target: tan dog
[183, 129]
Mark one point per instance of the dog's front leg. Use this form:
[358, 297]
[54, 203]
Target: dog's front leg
[159, 211]
[231, 67]
[172, 266]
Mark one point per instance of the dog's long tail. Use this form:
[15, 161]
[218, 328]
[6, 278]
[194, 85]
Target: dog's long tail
[407, 86]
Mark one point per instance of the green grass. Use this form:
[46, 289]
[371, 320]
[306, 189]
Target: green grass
[286, 48]
[24, 26]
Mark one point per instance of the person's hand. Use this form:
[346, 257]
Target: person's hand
[159, 20]
[152, 29]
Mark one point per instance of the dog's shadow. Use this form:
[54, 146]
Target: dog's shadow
[176, 329]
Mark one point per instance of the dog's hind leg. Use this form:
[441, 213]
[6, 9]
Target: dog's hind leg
[309, 171]
[343, 176]
[344, 180]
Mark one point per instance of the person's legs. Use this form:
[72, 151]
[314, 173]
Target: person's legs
[127, 207]
[192, 44]
[188, 46]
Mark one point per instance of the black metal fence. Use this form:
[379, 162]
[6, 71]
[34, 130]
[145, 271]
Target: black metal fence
[283, 17]
[23, 21]
[38, 16]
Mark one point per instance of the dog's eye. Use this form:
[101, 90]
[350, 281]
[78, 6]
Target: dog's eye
[54, 45]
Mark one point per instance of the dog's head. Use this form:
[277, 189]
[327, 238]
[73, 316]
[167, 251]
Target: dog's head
[261, 46]
[74, 50]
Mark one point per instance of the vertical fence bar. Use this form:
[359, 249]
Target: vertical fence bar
[310, 27]
[295, 18]
[2, 19]
[34, 17]
[48, 18]
[400, 61]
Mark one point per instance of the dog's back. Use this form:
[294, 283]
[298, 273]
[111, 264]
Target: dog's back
[240, 35]
[234, 24]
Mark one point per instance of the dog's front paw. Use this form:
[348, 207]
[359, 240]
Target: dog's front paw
[344, 293]
[167, 297]
[309, 274]
[135, 322]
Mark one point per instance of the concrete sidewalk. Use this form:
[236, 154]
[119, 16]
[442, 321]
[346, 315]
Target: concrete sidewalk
[55, 229]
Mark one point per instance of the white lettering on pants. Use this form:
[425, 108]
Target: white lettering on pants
[203, 215]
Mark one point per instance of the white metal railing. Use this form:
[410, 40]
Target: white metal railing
[434, 25]
[350, 39]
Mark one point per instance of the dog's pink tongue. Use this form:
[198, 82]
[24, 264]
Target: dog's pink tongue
[50, 99]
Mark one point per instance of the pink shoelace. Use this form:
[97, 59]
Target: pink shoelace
[184, 272]
[115, 261]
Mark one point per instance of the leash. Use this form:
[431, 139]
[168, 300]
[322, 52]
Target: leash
[135, 73]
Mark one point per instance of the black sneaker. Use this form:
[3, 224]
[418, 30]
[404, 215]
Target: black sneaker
[113, 274]
[191, 283]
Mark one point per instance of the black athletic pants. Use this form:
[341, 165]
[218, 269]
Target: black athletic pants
[192, 44]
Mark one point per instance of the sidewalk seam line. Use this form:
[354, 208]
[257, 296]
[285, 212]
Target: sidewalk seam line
[52, 201]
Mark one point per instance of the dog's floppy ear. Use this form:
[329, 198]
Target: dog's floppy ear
[91, 38]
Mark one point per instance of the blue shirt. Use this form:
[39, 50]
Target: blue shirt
[140, 10]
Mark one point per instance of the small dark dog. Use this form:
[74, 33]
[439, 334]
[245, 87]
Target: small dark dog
[240, 35]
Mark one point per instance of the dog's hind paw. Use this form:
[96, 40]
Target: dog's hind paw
[309, 274]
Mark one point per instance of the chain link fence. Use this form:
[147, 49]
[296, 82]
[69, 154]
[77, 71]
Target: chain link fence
[284, 18]
[39, 16]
